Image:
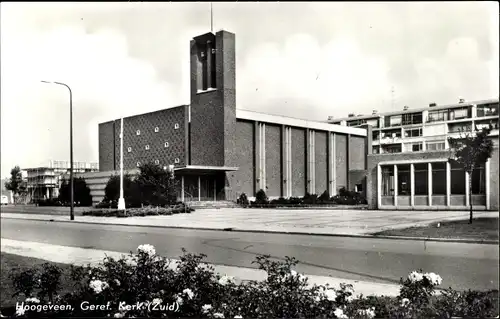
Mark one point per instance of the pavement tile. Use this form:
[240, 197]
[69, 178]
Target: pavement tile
[332, 222]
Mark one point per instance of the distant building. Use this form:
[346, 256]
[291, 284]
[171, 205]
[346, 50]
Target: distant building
[44, 182]
[6, 192]
[408, 160]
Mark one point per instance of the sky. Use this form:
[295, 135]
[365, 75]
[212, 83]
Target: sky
[307, 60]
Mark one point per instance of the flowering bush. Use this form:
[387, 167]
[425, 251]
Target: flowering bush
[144, 284]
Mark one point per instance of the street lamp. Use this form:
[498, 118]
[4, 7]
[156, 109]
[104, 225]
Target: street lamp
[72, 215]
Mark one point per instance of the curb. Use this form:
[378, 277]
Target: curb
[363, 236]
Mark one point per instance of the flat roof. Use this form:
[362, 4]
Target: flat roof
[433, 108]
[203, 168]
[290, 121]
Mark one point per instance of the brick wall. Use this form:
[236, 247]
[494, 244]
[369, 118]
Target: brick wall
[166, 121]
[207, 129]
[273, 160]
[213, 113]
[341, 161]
[357, 153]
[321, 167]
[243, 180]
[106, 146]
[494, 184]
[298, 162]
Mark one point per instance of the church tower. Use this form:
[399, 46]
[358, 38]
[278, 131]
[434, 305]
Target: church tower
[213, 99]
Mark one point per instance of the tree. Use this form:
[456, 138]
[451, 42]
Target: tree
[157, 185]
[81, 192]
[15, 183]
[131, 192]
[471, 151]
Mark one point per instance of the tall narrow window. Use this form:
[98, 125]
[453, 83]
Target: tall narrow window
[213, 74]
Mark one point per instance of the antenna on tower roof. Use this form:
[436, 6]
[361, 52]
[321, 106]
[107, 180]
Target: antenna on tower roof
[392, 96]
[211, 18]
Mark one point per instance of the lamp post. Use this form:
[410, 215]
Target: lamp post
[121, 200]
[72, 207]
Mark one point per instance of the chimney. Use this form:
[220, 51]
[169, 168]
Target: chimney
[406, 108]
[374, 112]
[351, 115]
[432, 104]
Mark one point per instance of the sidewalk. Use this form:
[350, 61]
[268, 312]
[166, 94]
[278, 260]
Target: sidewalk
[312, 222]
[81, 256]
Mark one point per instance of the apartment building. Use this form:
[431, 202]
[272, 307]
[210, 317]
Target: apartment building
[44, 182]
[408, 163]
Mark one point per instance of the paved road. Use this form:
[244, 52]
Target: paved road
[462, 266]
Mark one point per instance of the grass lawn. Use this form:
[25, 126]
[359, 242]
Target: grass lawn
[13, 264]
[480, 229]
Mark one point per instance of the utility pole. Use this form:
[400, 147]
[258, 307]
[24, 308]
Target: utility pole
[121, 200]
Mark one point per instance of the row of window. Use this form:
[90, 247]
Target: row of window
[438, 173]
[157, 162]
[433, 116]
[157, 129]
[129, 149]
[411, 147]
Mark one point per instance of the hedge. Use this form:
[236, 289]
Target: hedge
[190, 288]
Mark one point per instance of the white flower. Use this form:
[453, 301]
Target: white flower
[157, 301]
[415, 276]
[119, 315]
[224, 280]
[33, 300]
[293, 273]
[147, 249]
[369, 313]
[131, 262]
[206, 308]
[20, 311]
[117, 282]
[189, 293]
[218, 315]
[405, 302]
[327, 293]
[98, 286]
[179, 300]
[238, 317]
[339, 313]
[433, 278]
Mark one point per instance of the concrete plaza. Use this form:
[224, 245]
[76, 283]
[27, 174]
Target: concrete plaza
[308, 221]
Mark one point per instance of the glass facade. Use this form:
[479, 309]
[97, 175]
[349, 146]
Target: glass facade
[430, 184]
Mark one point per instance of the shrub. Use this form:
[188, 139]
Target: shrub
[49, 202]
[295, 201]
[131, 193]
[81, 192]
[310, 199]
[345, 197]
[156, 185]
[178, 208]
[261, 198]
[243, 200]
[196, 290]
[324, 197]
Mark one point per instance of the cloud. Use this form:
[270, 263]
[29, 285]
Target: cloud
[308, 60]
[309, 78]
[106, 83]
